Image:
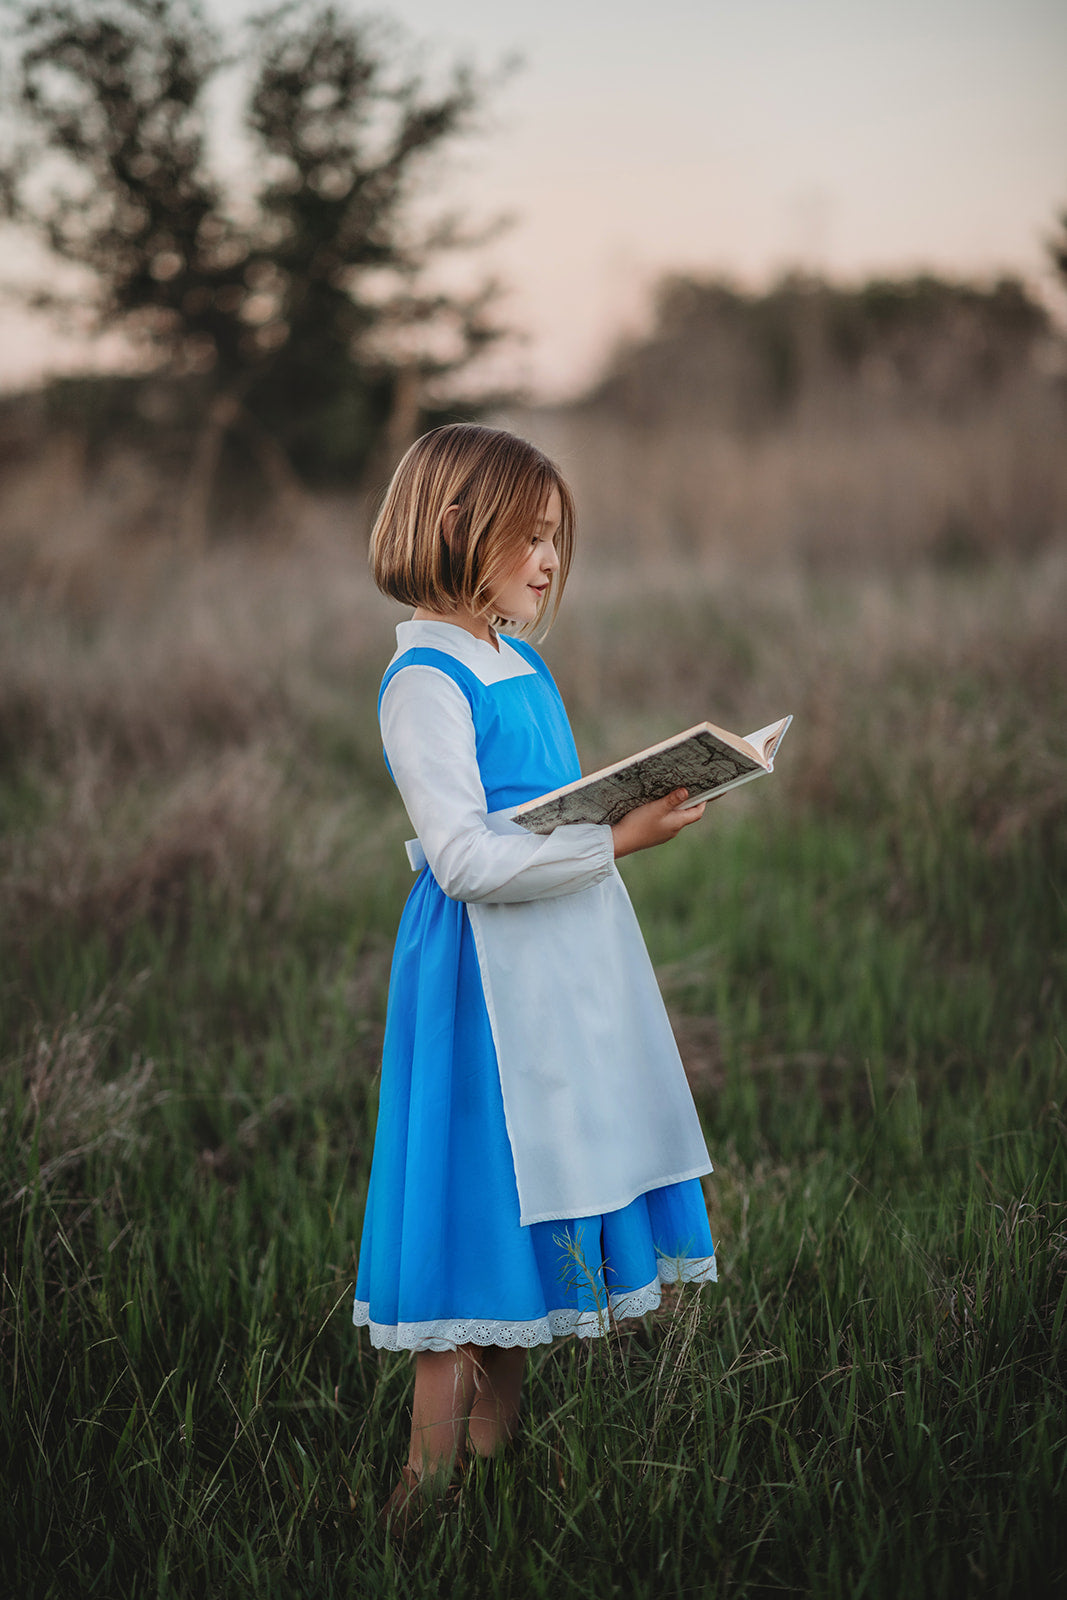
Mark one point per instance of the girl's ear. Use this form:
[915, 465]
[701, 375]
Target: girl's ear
[448, 522]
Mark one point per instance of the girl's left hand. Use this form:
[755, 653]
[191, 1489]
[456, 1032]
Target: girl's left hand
[655, 823]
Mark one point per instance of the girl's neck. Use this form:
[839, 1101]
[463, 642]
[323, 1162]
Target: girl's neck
[478, 626]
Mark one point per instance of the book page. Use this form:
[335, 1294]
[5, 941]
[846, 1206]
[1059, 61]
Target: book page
[766, 740]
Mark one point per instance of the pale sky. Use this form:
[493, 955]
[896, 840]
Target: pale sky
[737, 137]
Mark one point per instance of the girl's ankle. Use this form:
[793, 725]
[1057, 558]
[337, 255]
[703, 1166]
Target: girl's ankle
[433, 1478]
[487, 1440]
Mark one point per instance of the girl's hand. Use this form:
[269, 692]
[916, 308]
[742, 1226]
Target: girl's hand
[654, 823]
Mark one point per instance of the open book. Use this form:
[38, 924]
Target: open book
[706, 760]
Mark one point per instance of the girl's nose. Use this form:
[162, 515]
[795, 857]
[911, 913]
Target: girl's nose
[550, 559]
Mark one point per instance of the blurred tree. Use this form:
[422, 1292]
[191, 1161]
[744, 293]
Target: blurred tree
[751, 360]
[1058, 248]
[296, 305]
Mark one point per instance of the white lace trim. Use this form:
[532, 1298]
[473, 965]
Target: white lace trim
[448, 1332]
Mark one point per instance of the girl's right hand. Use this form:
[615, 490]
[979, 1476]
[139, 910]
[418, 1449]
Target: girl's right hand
[654, 823]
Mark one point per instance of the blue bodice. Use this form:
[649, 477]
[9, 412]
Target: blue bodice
[524, 742]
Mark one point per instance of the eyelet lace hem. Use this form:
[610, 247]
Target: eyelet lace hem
[448, 1332]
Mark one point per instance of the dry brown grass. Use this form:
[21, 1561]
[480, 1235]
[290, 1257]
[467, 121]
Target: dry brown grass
[167, 735]
[926, 688]
[182, 722]
[958, 490]
[74, 1104]
[108, 856]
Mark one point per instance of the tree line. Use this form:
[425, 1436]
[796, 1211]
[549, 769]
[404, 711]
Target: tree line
[806, 347]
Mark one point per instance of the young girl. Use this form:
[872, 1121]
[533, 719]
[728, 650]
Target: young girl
[538, 1155]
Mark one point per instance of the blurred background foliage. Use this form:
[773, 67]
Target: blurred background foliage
[284, 324]
[288, 331]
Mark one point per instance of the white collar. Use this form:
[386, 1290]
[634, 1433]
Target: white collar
[487, 664]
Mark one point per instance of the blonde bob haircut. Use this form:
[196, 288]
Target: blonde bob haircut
[500, 484]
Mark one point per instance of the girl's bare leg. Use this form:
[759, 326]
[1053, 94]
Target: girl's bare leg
[444, 1393]
[494, 1414]
[469, 1390]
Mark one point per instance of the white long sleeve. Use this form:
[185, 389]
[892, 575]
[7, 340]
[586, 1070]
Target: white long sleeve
[429, 740]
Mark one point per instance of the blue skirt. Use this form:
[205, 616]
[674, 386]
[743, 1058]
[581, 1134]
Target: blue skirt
[444, 1259]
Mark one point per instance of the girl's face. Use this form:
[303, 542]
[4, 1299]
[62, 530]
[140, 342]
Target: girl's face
[518, 596]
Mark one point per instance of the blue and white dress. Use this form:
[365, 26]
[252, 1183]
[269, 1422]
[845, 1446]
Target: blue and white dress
[537, 1155]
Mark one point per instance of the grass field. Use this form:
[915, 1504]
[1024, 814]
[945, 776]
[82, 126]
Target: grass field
[201, 871]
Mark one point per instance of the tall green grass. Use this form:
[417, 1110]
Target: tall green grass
[865, 962]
